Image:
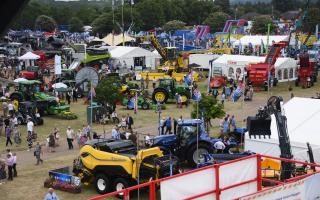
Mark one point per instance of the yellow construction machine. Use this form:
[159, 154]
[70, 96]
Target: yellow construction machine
[112, 165]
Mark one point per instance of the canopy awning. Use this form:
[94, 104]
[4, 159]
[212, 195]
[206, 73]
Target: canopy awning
[29, 56]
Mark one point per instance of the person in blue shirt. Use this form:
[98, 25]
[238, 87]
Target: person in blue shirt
[51, 195]
[168, 125]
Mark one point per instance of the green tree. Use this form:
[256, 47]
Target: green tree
[103, 24]
[75, 24]
[224, 5]
[173, 25]
[260, 25]
[108, 86]
[284, 5]
[311, 20]
[209, 107]
[87, 14]
[45, 23]
[151, 13]
[216, 21]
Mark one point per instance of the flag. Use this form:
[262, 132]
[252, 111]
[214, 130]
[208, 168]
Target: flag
[183, 42]
[132, 2]
[112, 4]
[57, 65]
[135, 103]
[122, 2]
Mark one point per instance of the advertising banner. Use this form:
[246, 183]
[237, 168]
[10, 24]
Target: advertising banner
[57, 65]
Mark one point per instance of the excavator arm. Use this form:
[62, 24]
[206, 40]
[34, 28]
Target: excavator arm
[274, 107]
[156, 44]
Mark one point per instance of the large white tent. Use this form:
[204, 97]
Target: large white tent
[258, 40]
[303, 116]
[230, 64]
[133, 56]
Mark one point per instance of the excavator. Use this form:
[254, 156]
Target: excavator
[259, 125]
[174, 65]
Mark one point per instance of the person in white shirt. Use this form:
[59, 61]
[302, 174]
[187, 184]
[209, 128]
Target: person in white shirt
[10, 108]
[14, 121]
[219, 146]
[30, 126]
[115, 134]
[70, 137]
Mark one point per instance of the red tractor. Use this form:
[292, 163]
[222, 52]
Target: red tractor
[257, 74]
[307, 71]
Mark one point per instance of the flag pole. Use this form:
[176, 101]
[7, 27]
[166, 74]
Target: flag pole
[91, 98]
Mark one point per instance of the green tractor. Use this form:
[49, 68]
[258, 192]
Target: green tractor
[167, 89]
[30, 91]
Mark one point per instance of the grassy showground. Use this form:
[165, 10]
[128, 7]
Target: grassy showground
[29, 184]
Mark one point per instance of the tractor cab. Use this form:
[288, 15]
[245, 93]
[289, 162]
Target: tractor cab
[30, 73]
[26, 90]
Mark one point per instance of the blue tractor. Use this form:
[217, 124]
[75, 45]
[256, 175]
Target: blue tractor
[184, 143]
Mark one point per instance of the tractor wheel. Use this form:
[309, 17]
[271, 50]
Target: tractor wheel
[192, 154]
[120, 184]
[102, 184]
[184, 98]
[16, 96]
[160, 95]
[20, 121]
[145, 106]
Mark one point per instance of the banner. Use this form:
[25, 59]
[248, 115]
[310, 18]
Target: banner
[305, 189]
[57, 65]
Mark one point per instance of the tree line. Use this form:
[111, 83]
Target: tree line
[147, 14]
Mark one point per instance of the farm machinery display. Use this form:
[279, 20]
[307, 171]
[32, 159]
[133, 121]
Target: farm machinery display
[263, 74]
[217, 79]
[112, 165]
[30, 91]
[168, 88]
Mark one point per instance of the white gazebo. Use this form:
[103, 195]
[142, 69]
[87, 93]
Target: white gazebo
[29, 58]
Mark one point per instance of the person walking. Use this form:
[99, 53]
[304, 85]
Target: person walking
[68, 98]
[75, 95]
[162, 125]
[175, 124]
[3, 174]
[14, 166]
[154, 82]
[10, 108]
[147, 81]
[51, 142]
[223, 98]
[5, 108]
[168, 124]
[70, 137]
[51, 195]
[8, 132]
[37, 153]
[129, 121]
[16, 135]
[142, 83]
[233, 123]
[30, 126]
[10, 166]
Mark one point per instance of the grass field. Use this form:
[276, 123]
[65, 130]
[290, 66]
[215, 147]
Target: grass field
[29, 184]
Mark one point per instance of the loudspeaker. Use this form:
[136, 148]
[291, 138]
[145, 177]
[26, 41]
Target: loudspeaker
[258, 127]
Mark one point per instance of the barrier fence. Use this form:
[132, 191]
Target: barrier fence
[229, 180]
